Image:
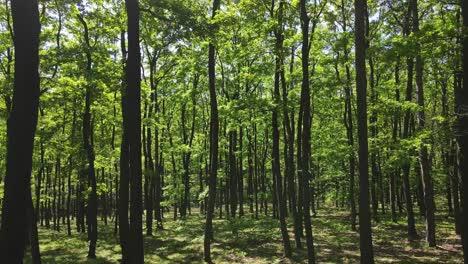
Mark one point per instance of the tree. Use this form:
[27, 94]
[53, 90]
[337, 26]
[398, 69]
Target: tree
[88, 144]
[365, 233]
[423, 152]
[214, 134]
[306, 118]
[133, 133]
[275, 133]
[411, 228]
[124, 183]
[21, 128]
[463, 127]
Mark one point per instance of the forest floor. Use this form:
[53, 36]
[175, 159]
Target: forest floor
[248, 240]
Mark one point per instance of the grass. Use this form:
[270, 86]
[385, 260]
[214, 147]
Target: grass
[248, 240]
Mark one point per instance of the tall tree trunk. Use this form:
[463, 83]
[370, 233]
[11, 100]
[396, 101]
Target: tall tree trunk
[396, 118]
[455, 156]
[21, 127]
[91, 212]
[306, 117]
[423, 152]
[124, 164]
[462, 109]
[373, 129]
[149, 176]
[289, 154]
[411, 229]
[157, 168]
[214, 134]
[276, 162]
[365, 233]
[233, 172]
[240, 174]
[133, 128]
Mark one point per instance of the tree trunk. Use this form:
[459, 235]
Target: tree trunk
[240, 174]
[133, 128]
[423, 152]
[462, 132]
[91, 212]
[305, 133]
[365, 233]
[406, 133]
[233, 172]
[214, 134]
[276, 162]
[124, 164]
[21, 127]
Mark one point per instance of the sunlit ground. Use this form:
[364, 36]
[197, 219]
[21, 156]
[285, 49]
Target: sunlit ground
[258, 241]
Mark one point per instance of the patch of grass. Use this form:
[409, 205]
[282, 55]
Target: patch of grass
[247, 240]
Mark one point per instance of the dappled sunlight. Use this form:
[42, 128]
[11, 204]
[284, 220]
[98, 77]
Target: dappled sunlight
[247, 240]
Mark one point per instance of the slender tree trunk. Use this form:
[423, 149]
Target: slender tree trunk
[54, 193]
[423, 152]
[233, 172]
[149, 176]
[289, 156]
[365, 233]
[462, 133]
[396, 172]
[256, 170]
[276, 162]
[240, 174]
[157, 167]
[124, 165]
[373, 129]
[91, 213]
[406, 134]
[39, 179]
[214, 134]
[305, 132]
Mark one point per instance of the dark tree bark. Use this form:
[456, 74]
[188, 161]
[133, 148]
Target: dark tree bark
[124, 184]
[455, 156]
[348, 121]
[423, 152]
[21, 128]
[232, 172]
[91, 212]
[396, 119]
[39, 178]
[70, 171]
[54, 193]
[306, 118]
[157, 168]
[256, 170]
[406, 134]
[373, 130]
[133, 133]
[188, 141]
[149, 173]
[214, 134]
[289, 153]
[276, 166]
[365, 232]
[462, 133]
[240, 174]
